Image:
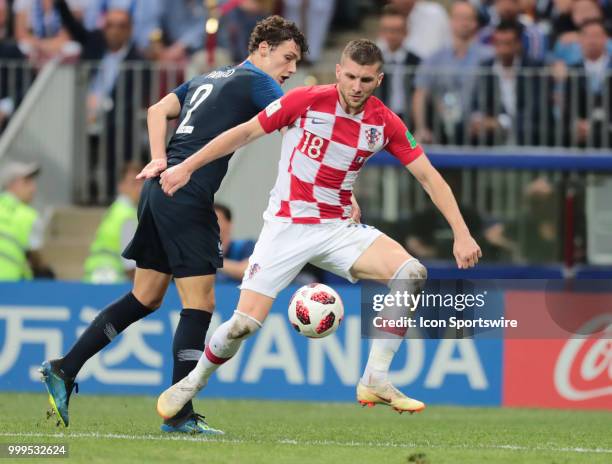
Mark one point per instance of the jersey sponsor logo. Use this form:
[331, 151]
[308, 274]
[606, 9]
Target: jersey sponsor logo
[373, 136]
[411, 140]
[221, 74]
[273, 107]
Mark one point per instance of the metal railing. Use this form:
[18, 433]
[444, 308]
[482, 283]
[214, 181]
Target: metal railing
[527, 208]
[549, 114]
[474, 108]
[16, 77]
[113, 127]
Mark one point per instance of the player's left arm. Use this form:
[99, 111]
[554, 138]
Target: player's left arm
[465, 249]
[403, 146]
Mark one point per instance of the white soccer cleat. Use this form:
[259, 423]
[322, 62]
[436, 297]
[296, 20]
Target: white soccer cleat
[174, 398]
[387, 394]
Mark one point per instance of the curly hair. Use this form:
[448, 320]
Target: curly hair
[274, 30]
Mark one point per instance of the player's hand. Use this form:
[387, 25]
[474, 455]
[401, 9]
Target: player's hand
[466, 251]
[356, 211]
[174, 178]
[153, 169]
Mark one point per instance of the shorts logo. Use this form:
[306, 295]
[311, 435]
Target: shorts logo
[220, 249]
[253, 269]
[373, 136]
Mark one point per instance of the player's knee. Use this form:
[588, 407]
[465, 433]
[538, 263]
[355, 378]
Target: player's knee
[242, 326]
[411, 276]
[151, 302]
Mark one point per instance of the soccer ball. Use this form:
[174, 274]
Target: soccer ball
[315, 310]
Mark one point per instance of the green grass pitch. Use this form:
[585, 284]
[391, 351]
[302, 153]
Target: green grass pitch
[116, 429]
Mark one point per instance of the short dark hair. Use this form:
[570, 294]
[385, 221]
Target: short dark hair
[363, 52]
[593, 21]
[510, 26]
[224, 210]
[275, 30]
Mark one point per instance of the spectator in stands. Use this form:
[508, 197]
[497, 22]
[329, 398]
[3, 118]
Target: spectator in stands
[397, 86]
[39, 31]
[4, 21]
[567, 49]
[445, 81]
[507, 101]
[113, 47]
[105, 265]
[8, 45]
[21, 227]
[239, 21]
[589, 91]
[428, 26]
[533, 237]
[182, 25]
[534, 40]
[13, 80]
[313, 17]
[145, 14]
[236, 253]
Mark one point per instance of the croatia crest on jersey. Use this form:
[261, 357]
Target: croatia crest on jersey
[372, 136]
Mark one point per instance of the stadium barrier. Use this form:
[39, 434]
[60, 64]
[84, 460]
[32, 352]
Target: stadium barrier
[16, 77]
[112, 129]
[40, 320]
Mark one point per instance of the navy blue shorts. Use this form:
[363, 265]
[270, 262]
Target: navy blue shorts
[176, 235]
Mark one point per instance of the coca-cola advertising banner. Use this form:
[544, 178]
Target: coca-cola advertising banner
[571, 371]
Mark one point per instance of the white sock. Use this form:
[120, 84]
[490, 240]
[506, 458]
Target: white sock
[381, 354]
[220, 349]
[410, 276]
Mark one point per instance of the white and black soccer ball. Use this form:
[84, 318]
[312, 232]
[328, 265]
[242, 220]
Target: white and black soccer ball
[316, 310]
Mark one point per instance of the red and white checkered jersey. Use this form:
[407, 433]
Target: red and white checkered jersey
[324, 149]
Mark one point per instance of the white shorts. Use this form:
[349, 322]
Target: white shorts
[284, 248]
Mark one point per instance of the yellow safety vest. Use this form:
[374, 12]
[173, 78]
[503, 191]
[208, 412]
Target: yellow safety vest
[16, 222]
[104, 263]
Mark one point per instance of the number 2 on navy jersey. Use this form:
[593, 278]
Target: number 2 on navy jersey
[201, 94]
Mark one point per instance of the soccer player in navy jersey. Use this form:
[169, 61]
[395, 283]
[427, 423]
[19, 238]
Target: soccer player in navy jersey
[179, 236]
[332, 130]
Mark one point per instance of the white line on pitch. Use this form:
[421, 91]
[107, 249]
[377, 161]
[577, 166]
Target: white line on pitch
[288, 441]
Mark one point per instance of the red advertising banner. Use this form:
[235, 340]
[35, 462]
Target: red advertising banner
[573, 371]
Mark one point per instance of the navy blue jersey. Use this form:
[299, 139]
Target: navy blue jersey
[210, 105]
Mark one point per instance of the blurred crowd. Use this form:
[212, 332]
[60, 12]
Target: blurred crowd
[165, 31]
[479, 72]
[500, 72]
[189, 35]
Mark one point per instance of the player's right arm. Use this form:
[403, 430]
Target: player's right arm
[278, 114]
[158, 115]
[226, 143]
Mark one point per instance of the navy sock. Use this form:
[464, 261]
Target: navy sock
[187, 347]
[109, 323]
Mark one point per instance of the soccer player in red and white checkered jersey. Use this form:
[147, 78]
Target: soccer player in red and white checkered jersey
[331, 132]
